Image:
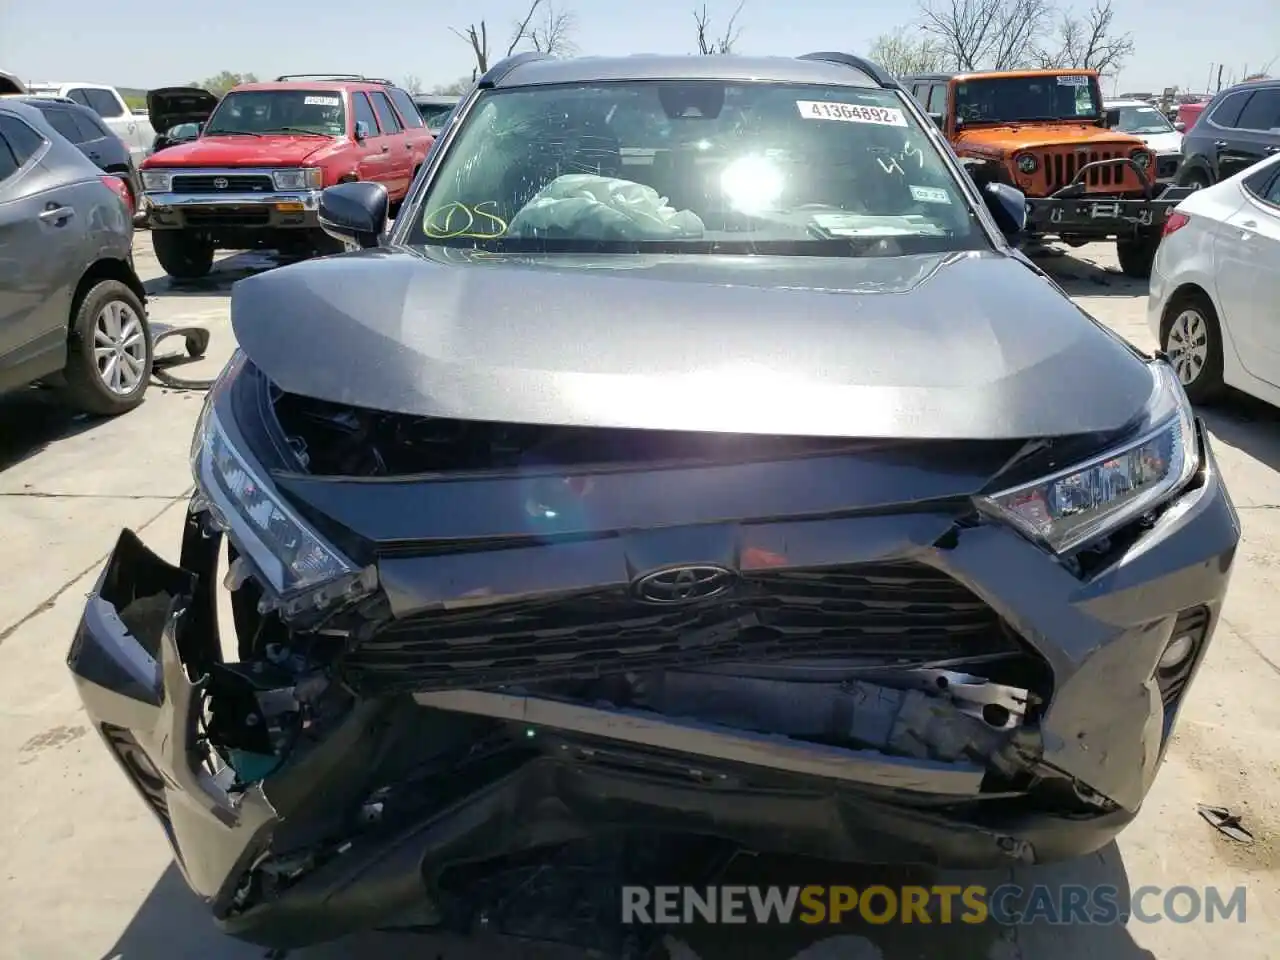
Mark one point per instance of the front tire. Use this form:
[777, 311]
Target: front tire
[183, 255]
[1191, 337]
[1195, 178]
[1137, 254]
[109, 352]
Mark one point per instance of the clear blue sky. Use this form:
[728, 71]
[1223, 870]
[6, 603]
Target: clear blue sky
[149, 43]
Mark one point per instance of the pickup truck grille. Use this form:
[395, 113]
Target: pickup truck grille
[235, 183]
[888, 613]
[1061, 167]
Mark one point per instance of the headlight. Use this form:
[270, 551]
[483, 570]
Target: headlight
[1142, 158]
[1065, 510]
[158, 181]
[308, 178]
[303, 569]
[1027, 163]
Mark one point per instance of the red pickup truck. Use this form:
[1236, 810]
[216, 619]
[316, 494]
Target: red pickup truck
[253, 177]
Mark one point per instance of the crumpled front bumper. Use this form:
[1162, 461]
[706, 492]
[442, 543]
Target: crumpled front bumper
[149, 631]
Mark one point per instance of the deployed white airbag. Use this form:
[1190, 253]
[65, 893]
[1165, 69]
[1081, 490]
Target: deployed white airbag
[589, 207]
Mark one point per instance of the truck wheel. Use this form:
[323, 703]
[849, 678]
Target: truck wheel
[183, 255]
[109, 351]
[1137, 254]
[1192, 340]
[1195, 178]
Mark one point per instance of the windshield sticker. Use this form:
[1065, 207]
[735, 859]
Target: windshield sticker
[322, 101]
[930, 194]
[850, 113]
[1073, 80]
[455, 220]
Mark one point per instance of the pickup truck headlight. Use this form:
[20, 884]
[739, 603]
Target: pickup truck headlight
[308, 178]
[157, 181]
[1086, 501]
[299, 565]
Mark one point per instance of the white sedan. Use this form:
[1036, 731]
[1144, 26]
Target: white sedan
[1215, 287]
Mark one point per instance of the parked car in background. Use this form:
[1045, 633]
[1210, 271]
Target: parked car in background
[9, 84]
[574, 516]
[1047, 133]
[252, 179]
[1153, 128]
[1215, 287]
[177, 113]
[89, 133]
[1240, 126]
[108, 104]
[1187, 114]
[72, 310]
[435, 109]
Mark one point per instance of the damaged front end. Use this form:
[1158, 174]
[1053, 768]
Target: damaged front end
[462, 650]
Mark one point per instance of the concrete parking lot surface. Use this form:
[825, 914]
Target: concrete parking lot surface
[84, 871]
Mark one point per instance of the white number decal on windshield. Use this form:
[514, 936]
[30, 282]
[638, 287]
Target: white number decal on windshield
[850, 113]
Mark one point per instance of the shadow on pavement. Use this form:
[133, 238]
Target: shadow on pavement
[219, 281]
[1081, 276]
[32, 419]
[171, 923]
[1248, 424]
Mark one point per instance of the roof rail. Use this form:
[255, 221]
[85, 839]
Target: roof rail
[318, 76]
[495, 74]
[878, 74]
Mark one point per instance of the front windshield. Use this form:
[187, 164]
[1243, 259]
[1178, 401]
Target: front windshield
[435, 114]
[1026, 99]
[695, 166]
[263, 112]
[1141, 120]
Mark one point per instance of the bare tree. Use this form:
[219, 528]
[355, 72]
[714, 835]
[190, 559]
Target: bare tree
[904, 53]
[553, 33]
[412, 84]
[987, 34]
[725, 42]
[1087, 42]
[476, 35]
[455, 89]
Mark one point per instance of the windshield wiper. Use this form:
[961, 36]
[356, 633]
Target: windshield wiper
[309, 133]
[231, 133]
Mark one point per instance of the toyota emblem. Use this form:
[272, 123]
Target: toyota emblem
[220, 183]
[687, 584]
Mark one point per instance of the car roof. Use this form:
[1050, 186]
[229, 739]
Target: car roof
[1126, 103]
[34, 84]
[541, 70]
[337, 86]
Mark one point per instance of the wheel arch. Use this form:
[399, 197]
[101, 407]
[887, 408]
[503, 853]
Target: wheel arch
[107, 268]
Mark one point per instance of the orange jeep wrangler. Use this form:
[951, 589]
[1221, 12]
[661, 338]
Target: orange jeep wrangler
[1045, 132]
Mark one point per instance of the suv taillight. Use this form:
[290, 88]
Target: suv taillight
[1175, 222]
[119, 188]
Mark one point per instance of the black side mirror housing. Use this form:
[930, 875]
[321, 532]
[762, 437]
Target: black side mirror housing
[1008, 207]
[355, 212]
[1112, 118]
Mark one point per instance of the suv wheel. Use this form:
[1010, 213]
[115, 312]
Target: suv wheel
[183, 255]
[1195, 178]
[1192, 340]
[1137, 254]
[109, 351]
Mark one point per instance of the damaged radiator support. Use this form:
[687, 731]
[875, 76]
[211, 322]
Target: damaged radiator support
[762, 722]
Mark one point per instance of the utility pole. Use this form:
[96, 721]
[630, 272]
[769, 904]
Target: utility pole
[1219, 77]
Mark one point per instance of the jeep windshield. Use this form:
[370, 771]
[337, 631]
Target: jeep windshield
[263, 112]
[1037, 98]
[698, 166]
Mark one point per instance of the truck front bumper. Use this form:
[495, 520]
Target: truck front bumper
[239, 211]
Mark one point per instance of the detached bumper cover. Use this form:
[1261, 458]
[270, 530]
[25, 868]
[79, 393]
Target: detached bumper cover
[141, 653]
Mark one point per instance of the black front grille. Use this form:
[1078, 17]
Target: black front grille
[1060, 169]
[892, 613]
[1167, 167]
[214, 183]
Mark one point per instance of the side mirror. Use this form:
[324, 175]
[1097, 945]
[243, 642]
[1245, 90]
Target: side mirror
[1179, 126]
[1008, 207]
[362, 130]
[936, 118]
[354, 212]
[1112, 119]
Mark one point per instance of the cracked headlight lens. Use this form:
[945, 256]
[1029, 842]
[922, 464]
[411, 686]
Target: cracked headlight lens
[294, 559]
[1090, 499]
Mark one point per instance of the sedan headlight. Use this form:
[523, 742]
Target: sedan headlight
[1027, 163]
[157, 181]
[1069, 508]
[303, 569]
[308, 178]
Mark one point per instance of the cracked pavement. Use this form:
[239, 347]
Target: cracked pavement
[86, 872]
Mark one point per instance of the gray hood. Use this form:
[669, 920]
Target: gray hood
[962, 346]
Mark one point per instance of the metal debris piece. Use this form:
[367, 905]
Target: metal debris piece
[1225, 822]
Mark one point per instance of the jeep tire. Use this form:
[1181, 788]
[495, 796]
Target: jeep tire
[1137, 254]
[184, 255]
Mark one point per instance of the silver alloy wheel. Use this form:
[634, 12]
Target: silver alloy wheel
[119, 348]
[1188, 345]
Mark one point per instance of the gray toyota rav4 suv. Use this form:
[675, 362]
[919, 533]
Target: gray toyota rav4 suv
[694, 466]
